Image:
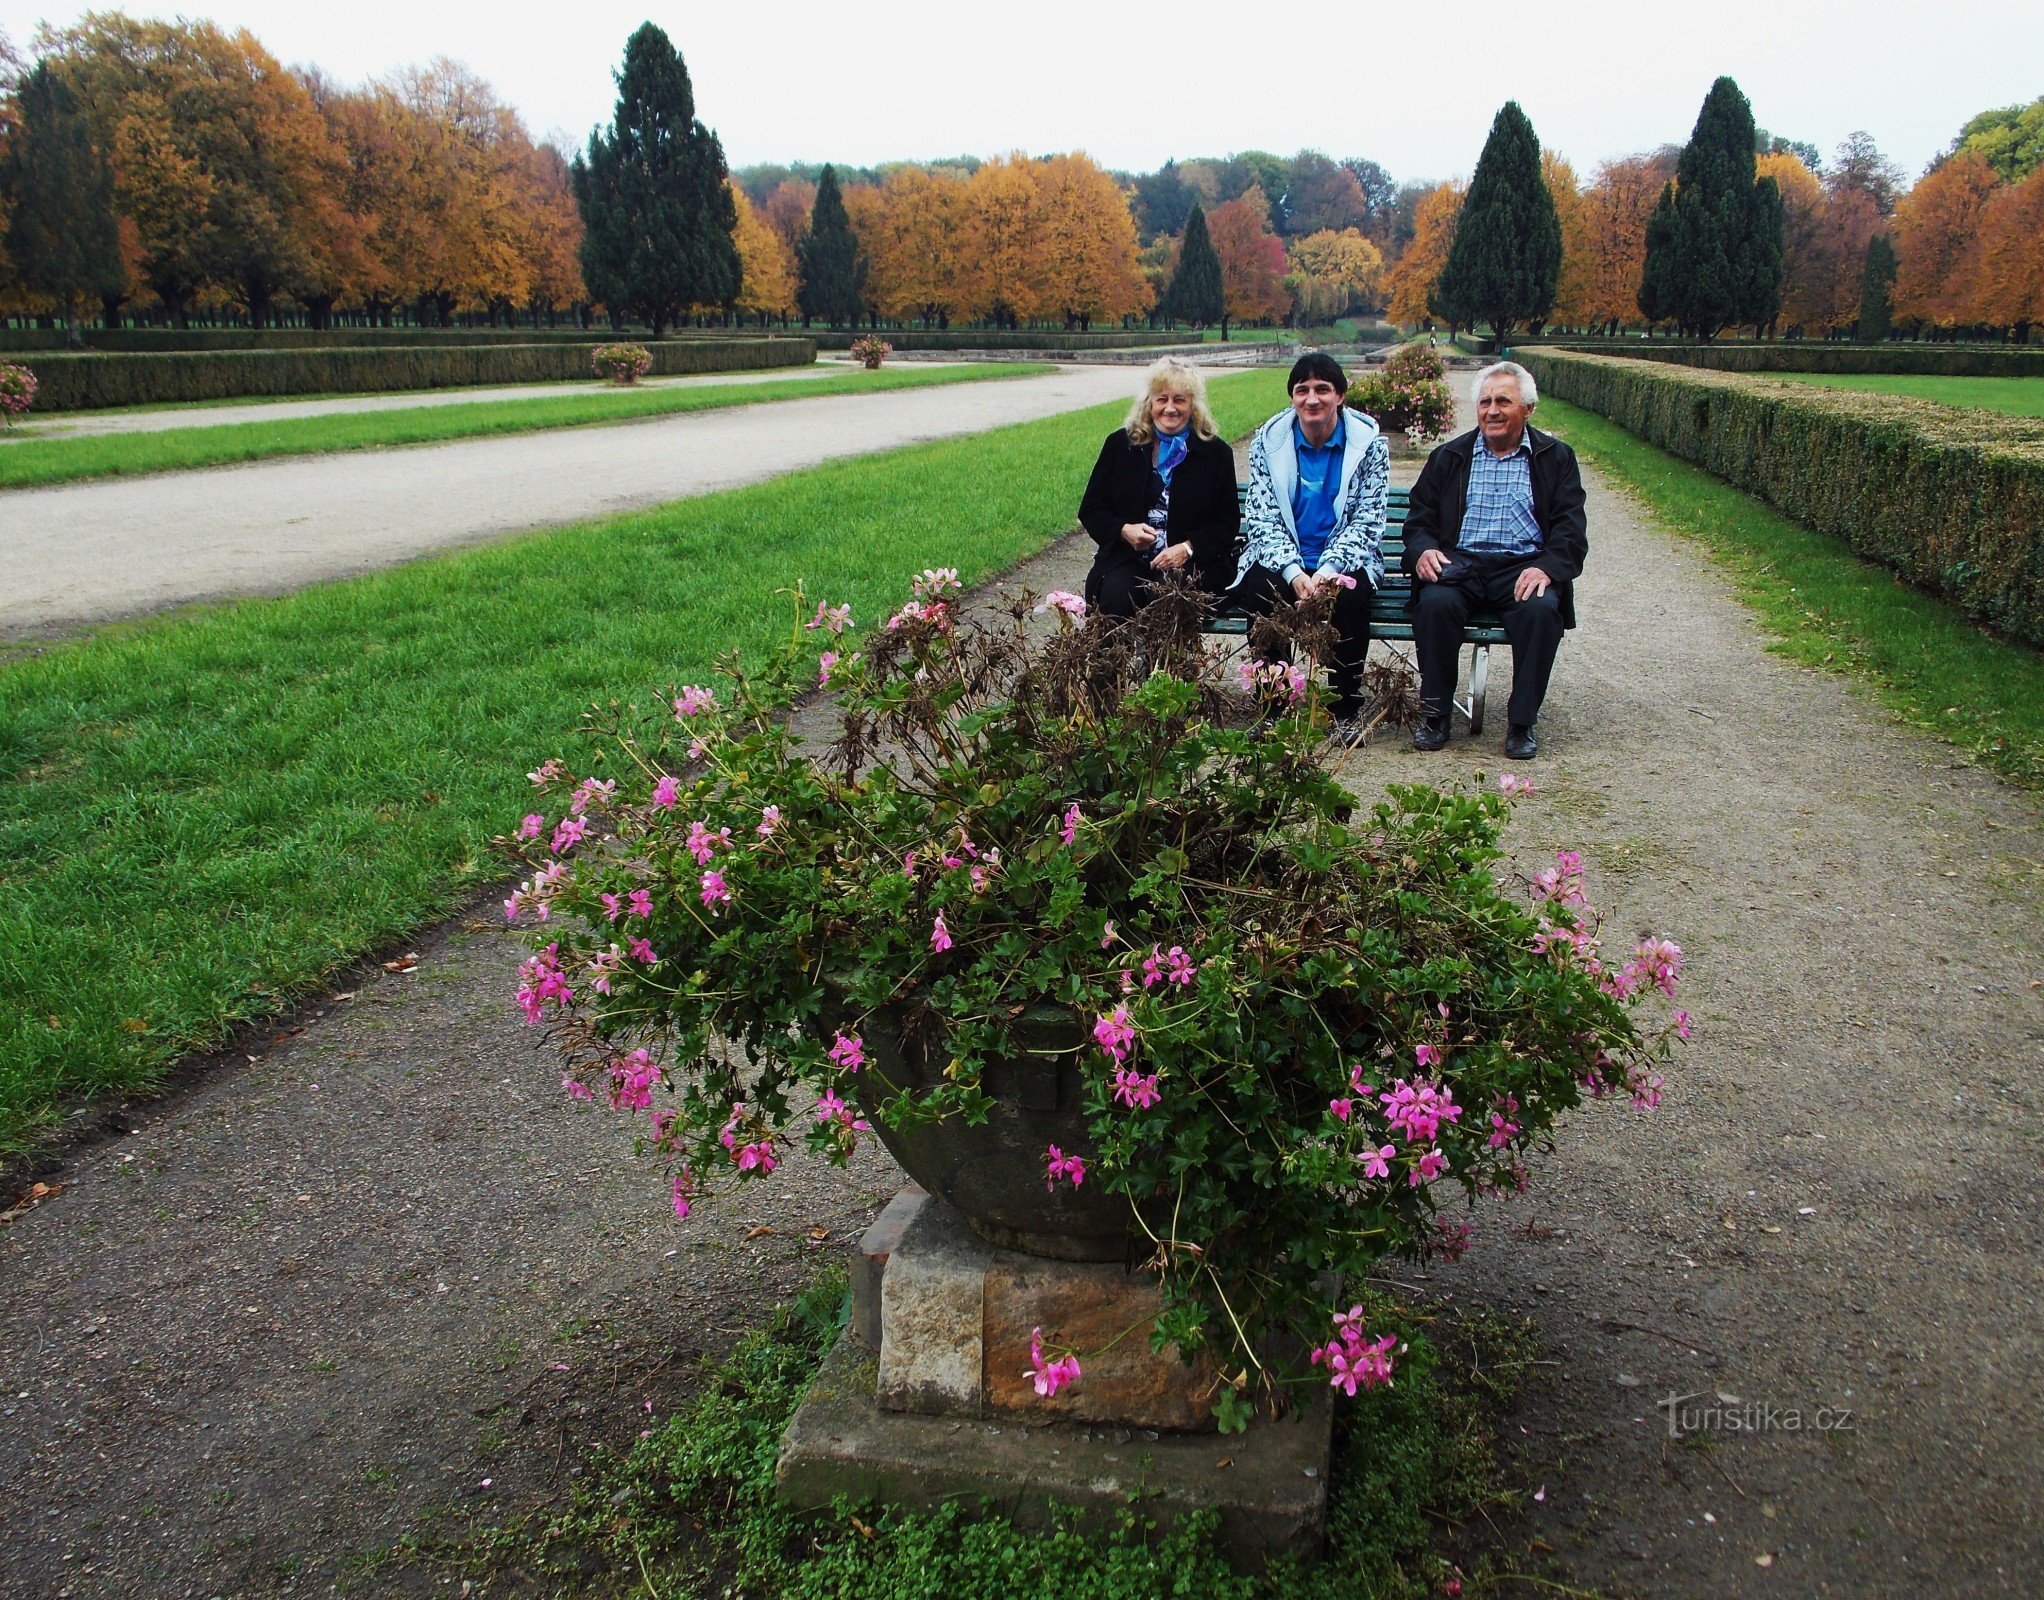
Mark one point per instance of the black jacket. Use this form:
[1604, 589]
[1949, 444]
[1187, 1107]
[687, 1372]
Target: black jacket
[1439, 499]
[1204, 511]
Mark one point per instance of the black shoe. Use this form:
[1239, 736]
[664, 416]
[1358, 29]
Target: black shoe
[1431, 734]
[1520, 745]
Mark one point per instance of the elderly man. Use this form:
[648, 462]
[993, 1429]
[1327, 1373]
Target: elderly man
[1313, 519]
[1496, 524]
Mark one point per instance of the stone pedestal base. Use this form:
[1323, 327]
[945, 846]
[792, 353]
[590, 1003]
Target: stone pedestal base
[917, 1404]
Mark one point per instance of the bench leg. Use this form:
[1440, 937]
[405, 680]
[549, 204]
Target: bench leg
[1479, 672]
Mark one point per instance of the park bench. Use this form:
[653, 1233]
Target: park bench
[1389, 620]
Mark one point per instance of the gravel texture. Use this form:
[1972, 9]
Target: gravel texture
[277, 1327]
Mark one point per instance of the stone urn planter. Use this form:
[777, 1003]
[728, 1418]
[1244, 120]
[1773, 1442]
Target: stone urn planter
[993, 1172]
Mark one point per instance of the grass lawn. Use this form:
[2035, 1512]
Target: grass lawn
[2019, 397]
[203, 816]
[1419, 1484]
[1828, 608]
[46, 461]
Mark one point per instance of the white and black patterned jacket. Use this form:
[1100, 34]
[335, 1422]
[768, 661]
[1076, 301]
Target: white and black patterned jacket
[1270, 537]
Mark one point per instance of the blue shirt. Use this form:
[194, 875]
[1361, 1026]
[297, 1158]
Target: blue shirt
[1314, 494]
[1499, 519]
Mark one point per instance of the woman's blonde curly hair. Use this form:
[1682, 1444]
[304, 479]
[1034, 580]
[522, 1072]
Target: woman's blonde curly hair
[1169, 373]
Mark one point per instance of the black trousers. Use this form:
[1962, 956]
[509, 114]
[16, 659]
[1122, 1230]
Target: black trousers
[1261, 590]
[1475, 580]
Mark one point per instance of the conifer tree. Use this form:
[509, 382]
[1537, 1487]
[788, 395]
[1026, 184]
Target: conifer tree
[1506, 255]
[1876, 286]
[657, 214]
[833, 271]
[1714, 242]
[62, 235]
[1195, 295]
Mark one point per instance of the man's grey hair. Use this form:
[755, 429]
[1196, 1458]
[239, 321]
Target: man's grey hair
[1529, 391]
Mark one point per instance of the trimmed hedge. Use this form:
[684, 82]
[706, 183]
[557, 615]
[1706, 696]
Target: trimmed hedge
[180, 340]
[997, 339]
[77, 382]
[1929, 360]
[1951, 498]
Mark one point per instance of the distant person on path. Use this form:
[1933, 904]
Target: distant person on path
[1496, 523]
[1313, 524]
[1162, 495]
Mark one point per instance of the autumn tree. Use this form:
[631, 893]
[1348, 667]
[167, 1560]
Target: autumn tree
[1859, 165]
[1571, 306]
[1085, 244]
[833, 272]
[1252, 260]
[1714, 240]
[1613, 223]
[787, 209]
[61, 233]
[913, 246]
[1418, 269]
[766, 267]
[1001, 267]
[1333, 273]
[654, 192]
[1506, 253]
[2010, 278]
[1938, 230]
[1197, 294]
[1805, 295]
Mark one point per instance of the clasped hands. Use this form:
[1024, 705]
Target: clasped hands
[1140, 536]
[1531, 580]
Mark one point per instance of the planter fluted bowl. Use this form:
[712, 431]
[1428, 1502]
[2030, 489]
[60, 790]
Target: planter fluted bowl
[993, 1171]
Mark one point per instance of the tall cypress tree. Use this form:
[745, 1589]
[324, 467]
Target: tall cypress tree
[1876, 307]
[1195, 294]
[62, 235]
[1714, 242]
[657, 216]
[1505, 258]
[833, 271]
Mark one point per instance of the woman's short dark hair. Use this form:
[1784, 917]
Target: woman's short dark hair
[1317, 364]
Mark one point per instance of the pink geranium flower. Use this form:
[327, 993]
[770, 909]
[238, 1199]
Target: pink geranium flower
[665, 792]
[847, 1052]
[693, 700]
[940, 936]
[1048, 1376]
[1056, 1165]
[715, 891]
[1064, 600]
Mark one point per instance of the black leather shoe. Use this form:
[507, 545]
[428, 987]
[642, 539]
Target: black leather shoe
[1520, 745]
[1431, 734]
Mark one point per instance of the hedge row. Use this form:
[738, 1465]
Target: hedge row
[1952, 499]
[77, 382]
[1932, 360]
[179, 340]
[997, 339]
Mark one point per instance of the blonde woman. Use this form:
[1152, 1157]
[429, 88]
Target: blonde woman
[1162, 495]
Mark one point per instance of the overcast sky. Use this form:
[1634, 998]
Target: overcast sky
[1411, 86]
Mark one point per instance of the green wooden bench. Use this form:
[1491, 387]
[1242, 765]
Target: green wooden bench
[1388, 617]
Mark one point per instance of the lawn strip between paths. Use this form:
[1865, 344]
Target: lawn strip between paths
[202, 817]
[38, 462]
[1830, 609]
[2016, 397]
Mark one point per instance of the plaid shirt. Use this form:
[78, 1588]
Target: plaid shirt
[1499, 519]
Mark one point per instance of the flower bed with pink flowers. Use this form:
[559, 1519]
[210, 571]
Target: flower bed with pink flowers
[1308, 1024]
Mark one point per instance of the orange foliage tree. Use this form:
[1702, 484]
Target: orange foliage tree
[1334, 272]
[2011, 270]
[1807, 290]
[1938, 238]
[1571, 308]
[1086, 246]
[915, 265]
[766, 266]
[999, 265]
[1412, 279]
[1252, 260]
[1613, 237]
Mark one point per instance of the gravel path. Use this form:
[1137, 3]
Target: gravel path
[314, 1301]
[86, 553]
[85, 424]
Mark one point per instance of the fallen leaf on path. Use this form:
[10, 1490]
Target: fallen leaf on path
[760, 1231]
[1764, 1561]
[36, 1194]
[818, 1235]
